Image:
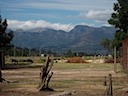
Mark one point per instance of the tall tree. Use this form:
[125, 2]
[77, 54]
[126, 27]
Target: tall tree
[107, 44]
[119, 19]
[69, 53]
[5, 38]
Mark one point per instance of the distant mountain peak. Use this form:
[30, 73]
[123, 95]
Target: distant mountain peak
[82, 38]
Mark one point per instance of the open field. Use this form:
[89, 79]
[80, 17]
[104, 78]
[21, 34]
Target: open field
[85, 79]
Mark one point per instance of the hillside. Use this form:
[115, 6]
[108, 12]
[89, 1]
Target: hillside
[81, 38]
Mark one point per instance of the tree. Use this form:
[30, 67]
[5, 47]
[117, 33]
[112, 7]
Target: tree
[45, 74]
[108, 44]
[119, 19]
[5, 38]
[69, 53]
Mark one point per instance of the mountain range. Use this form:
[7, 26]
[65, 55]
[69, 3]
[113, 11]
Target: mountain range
[80, 39]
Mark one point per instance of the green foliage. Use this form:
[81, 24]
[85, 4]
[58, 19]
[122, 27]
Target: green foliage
[108, 44]
[120, 16]
[119, 19]
[5, 38]
[119, 36]
[69, 53]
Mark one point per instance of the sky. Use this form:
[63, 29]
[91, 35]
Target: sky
[56, 14]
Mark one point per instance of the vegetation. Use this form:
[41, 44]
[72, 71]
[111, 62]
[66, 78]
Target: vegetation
[119, 19]
[85, 79]
[18, 51]
[107, 43]
[5, 39]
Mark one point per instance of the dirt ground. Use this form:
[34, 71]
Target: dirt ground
[79, 79]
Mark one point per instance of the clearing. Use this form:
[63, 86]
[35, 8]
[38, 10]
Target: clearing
[84, 79]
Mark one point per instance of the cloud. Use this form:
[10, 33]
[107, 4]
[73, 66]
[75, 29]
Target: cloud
[108, 25]
[100, 15]
[87, 24]
[30, 24]
[74, 5]
[62, 11]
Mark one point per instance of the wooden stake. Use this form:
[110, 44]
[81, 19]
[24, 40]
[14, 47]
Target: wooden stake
[110, 86]
[115, 64]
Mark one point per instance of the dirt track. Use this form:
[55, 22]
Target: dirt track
[85, 80]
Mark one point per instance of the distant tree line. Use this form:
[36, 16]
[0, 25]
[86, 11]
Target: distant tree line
[18, 51]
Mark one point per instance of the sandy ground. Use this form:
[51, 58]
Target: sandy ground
[86, 81]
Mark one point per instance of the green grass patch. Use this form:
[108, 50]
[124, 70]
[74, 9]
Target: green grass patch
[67, 66]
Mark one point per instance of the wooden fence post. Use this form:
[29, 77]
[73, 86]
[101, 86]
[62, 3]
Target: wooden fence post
[109, 90]
[110, 85]
[115, 64]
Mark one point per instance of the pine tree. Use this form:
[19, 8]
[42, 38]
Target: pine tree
[119, 19]
[5, 38]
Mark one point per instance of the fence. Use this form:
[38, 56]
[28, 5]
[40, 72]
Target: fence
[125, 54]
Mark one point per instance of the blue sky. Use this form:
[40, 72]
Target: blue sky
[56, 14]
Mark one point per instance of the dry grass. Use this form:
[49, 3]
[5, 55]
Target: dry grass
[86, 79]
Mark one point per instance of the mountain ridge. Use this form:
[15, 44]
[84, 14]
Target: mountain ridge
[81, 38]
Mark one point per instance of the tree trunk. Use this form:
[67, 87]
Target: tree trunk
[1, 66]
[45, 77]
[0, 75]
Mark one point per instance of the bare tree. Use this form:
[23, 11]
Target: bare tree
[45, 74]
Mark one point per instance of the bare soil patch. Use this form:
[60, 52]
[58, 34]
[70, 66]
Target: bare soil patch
[75, 60]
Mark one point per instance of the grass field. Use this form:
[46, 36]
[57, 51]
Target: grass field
[84, 79]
